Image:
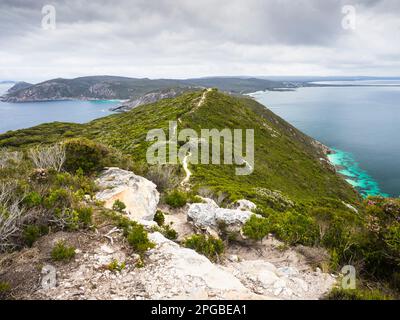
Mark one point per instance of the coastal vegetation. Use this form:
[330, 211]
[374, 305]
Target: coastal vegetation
[208, 246]
[48, 172]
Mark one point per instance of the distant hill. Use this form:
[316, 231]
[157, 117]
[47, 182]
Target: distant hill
[98, 87]
[239, 85]
[7, 82]
[111, 87]
[19, 86]
[152, 97]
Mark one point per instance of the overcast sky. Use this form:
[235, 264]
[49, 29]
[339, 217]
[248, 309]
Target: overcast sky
[185, 38]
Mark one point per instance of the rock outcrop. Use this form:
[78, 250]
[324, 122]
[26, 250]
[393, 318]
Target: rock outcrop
[152, 97]
[170, 270]
[175, 272]
[210, 216]
[286, 282]
[190, 274]
[244, 204]
[19, 86]
[138, 194]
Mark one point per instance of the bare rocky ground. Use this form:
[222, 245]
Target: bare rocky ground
[257, 271]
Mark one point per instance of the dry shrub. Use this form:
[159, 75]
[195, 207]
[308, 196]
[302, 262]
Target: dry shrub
[219, 197]
[165, 177]
[12, 215]
[7, 157]
[315, 256]
[51, 157]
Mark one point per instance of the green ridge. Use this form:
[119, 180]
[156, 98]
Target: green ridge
[288, 162]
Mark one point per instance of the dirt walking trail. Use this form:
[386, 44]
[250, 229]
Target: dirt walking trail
[185, 163]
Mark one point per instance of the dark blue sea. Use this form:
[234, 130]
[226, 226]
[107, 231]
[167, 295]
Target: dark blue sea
[362, 124]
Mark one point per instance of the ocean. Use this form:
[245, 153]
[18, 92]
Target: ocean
[24, 115]
[361, 124]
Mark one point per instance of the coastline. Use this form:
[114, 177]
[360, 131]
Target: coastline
[349, 168]
[2, 99]
[344, 164]
[29, 114]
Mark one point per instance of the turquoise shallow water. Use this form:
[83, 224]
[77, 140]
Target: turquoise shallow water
[360, 123]
[357, 177]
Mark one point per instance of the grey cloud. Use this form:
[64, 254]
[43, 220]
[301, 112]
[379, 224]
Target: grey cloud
[181, 37]
[289, 22]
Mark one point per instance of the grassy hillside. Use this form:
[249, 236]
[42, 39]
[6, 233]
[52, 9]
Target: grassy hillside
[301, 200]
[285, 159]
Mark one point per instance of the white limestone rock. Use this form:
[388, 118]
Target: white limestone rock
[206, 215]
[244, 204]
[138, 194]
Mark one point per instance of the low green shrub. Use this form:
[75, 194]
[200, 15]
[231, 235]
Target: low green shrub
[118, 206]
[85, 215]
[176, 199]
[115, 266]
[337, 227]
[209, 246]
[356, 294]
[88, 157]
[256, 228]
[33, 199]
[167, 231]
[73, 218]
[381, 247]
[5, 288]
[75, 182]
[33, 232]
[122, 222]
[84, 154]
[159, 217]
[135, 233]
[138, 238]
[57, 198]
[62, 252]
[295, 228]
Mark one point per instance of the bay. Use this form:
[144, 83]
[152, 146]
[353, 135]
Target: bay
[15, 116]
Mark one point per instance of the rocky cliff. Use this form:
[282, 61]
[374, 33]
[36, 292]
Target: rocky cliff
[110, 87]
[152, 97]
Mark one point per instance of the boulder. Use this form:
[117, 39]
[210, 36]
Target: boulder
[209, 201]
[244, 204]
[190, 272]
[285, 282]
[138, 194]
[206, 216]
